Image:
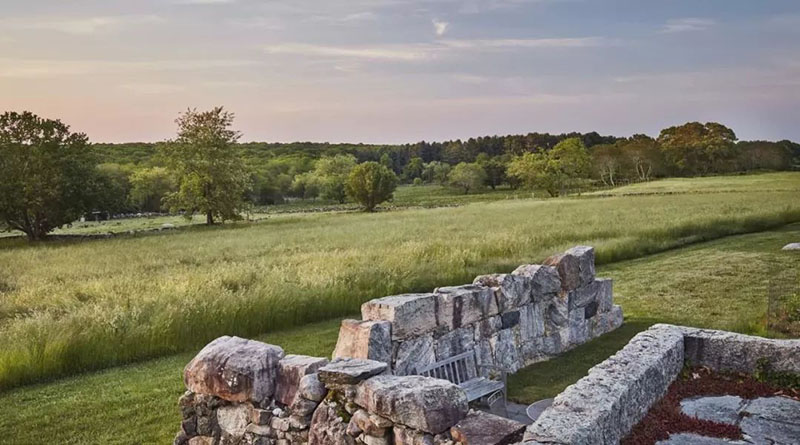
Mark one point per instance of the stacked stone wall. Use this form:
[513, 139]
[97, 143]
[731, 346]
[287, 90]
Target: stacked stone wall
[243, 392]
[509, 320]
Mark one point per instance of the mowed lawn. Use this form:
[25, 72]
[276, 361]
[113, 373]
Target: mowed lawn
[69, 307]
[137, 404]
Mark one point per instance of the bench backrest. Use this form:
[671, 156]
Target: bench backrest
[456, 369]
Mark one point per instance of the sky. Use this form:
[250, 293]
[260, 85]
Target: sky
[397, 71]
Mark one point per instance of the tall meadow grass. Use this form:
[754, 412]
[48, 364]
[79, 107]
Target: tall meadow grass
[71, 307]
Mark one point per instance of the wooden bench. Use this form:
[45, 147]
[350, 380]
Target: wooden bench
[462, 369]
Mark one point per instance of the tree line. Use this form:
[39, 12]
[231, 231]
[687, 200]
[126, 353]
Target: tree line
[52, 176]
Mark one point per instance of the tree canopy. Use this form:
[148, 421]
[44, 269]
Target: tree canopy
[370, 184]
[48, 174]
[467, 176]
[211, 177]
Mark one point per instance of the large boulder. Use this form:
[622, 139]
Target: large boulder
[459, 306]
[410, 314]
[545, 281]
[487, 429]
[234, 369]
[349, 371]
[290, 371]
[365, 339]
[423, 403]
[511, 290]
[575, 267]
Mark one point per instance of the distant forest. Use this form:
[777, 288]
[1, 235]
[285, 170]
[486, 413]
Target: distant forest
[283, 171]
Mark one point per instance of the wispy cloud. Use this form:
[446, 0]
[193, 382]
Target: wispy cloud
[427, 51]
[79, 25]
[489, 44]
[440, 27]
[687, 24]
[385, 52]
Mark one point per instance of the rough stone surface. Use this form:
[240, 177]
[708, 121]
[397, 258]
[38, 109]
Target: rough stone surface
[791, 246]
[349, 371]
[694, 439]
[531, 322]
[556, 314]
[486, 429]
[578, 332]
[423, 403]
[545, 281]
[290, 371]
[454, 343]
[589, 293]
[412, 354]
[575, 267]
[728, 351]
[328, 428]
[365, 339]
[408, 436]
[511, 291]
[234, 369]
[505, 351]
[410, 314]
[778, 409]
[602, 407]
[233, 419]
[365, 424]
[770, 432]
[311, 388]
[459, 306]
[720, 409]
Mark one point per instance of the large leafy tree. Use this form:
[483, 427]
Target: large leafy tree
[467, 176]
[47, 174]
[331, 173]
[149, 187]
[695, 148]
[211, 177]
[370, 184]
[556, 170]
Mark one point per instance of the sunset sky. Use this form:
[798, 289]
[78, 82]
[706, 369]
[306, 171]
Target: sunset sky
[391, 71]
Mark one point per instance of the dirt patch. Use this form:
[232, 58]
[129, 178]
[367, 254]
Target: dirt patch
[665, 417]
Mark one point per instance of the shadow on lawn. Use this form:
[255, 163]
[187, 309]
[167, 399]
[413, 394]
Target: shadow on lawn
[547, 379]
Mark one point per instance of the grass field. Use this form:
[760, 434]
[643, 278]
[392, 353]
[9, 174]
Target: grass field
[764, 182]
[68, 307]
[137, 404]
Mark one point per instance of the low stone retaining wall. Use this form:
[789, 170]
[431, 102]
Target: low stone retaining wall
[602, 407]
[509, 320]
[243, 392]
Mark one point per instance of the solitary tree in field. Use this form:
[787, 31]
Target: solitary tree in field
[210, 175]
[370, 184]
[467, 176]
[47, 174]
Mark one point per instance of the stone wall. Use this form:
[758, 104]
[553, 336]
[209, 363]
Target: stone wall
[243, 392]
[602, 407]
[510, 320]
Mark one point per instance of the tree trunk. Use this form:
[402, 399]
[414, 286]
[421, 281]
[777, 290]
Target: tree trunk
[209, 217]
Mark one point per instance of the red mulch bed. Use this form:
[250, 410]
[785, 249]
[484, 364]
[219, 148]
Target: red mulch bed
[665, 417]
